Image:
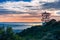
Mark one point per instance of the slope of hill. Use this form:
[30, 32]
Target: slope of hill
[49, 31]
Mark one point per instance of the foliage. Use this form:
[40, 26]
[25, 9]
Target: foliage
[49, 31]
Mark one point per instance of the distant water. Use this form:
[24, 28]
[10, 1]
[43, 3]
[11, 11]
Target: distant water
[19, 26]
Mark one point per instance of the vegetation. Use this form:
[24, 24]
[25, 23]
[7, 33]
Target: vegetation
[49, 31]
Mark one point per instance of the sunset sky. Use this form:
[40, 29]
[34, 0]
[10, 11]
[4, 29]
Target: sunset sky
[27, 10]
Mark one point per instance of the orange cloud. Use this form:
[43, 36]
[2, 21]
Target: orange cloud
[18, 18]
[12, 19]
[25, 17]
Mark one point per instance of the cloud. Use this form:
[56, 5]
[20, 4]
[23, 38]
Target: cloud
[24, 6]
[31, 7]
[54, 5]
[45, 0]
[22, 11]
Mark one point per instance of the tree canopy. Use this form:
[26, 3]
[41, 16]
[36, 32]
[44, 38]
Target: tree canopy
[49, 31]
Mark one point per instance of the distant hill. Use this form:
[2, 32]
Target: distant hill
[49, 31]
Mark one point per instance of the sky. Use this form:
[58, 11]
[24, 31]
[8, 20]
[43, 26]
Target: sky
[27, 10]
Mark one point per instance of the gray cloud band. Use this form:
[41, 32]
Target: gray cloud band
[55, 5]
[44, 5]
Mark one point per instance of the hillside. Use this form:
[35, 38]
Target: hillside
[49, 31]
